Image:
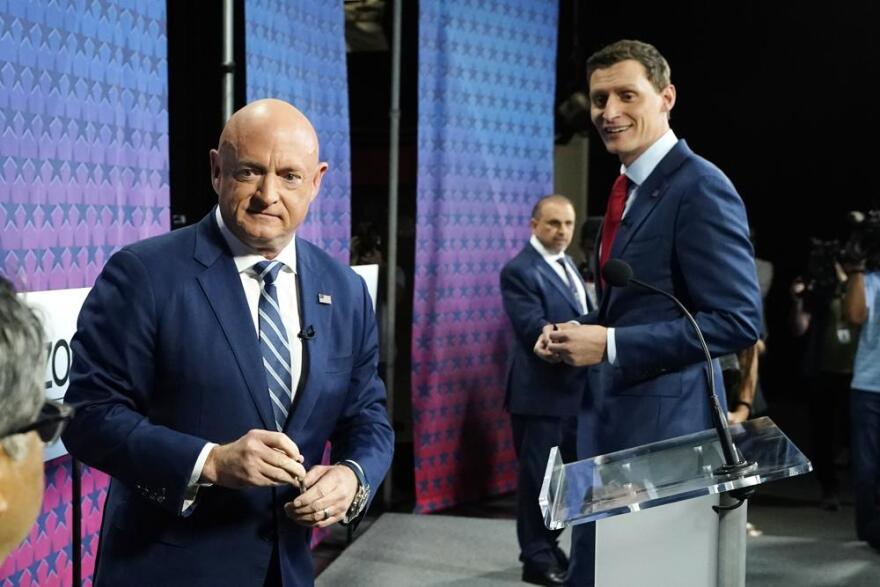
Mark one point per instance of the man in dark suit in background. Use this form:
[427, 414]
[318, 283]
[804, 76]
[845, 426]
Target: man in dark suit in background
[540, 286]
[677, 220]
[212, 364]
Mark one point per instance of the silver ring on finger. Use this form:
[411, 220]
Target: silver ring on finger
[326, 514]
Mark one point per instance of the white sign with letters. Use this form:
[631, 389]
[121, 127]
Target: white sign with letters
[58, 310]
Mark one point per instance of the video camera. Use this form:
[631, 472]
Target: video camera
[821, 275]
[864, 240]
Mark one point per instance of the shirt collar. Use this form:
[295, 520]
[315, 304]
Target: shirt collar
[547, 254]
[245, 257]
[642, 167]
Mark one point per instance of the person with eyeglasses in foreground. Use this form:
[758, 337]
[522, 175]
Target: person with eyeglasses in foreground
[27, 421]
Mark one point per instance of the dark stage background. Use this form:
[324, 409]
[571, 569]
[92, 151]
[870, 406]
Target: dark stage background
[777, 95]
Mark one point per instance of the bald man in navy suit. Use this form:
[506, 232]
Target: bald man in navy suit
[212, 365]
[540, 286]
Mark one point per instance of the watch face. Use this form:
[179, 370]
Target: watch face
[358, 503]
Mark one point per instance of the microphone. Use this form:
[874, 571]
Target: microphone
[619, 274]
[307, 333]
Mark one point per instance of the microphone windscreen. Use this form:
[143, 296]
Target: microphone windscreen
[617, 272]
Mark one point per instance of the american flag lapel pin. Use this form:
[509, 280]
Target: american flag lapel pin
[325, 299]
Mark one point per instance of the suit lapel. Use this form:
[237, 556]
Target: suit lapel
[649, 194]
[551, 276]
[315, 316]
[222, 286]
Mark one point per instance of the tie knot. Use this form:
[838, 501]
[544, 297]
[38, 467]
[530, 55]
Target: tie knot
[267, 271]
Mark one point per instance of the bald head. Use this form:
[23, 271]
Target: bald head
[266, 172]
[268, 116]
[551, 199]
[552, 222]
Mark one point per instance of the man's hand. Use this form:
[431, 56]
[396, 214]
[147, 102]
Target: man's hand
[760, 346]
[329, 493]
[260, 458]
[579, 345]
[853, 265]
[543, 342]
[740, 415]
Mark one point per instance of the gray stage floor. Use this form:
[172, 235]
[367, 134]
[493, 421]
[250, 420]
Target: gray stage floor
[801, 546]
[407, 549]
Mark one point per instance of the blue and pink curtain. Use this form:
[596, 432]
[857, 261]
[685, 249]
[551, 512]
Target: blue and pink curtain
[487, 74]
[84, 157]
[296, 52]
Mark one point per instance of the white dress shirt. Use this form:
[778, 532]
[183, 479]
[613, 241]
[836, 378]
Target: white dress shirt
[637, 173]
[245, 259]
[285, 285]
[568, 275]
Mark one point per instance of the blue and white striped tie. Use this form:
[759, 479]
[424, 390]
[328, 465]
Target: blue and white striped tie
[273, 342]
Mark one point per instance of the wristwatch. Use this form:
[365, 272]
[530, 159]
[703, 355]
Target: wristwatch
[361, 497]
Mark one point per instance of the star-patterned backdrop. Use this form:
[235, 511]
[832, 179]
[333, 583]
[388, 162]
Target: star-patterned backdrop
[487, 74]
[44, 559]
[84, 156]
[296, 52]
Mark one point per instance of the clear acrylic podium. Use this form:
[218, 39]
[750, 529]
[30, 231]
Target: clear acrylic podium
[684, 541]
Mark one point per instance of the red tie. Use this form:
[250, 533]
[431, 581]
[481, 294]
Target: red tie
[613, 214]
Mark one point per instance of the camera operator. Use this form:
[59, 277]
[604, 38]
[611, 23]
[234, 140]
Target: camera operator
[817, 314]
[862, 306]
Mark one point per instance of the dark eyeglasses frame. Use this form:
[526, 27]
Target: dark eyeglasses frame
[53, 418]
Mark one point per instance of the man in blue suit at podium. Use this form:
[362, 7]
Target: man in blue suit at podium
[540, 286]
[677, 220]
[211, 366]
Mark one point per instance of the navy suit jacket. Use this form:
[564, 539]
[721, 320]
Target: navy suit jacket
[166, 358]
[686, 233]
[534, 295]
